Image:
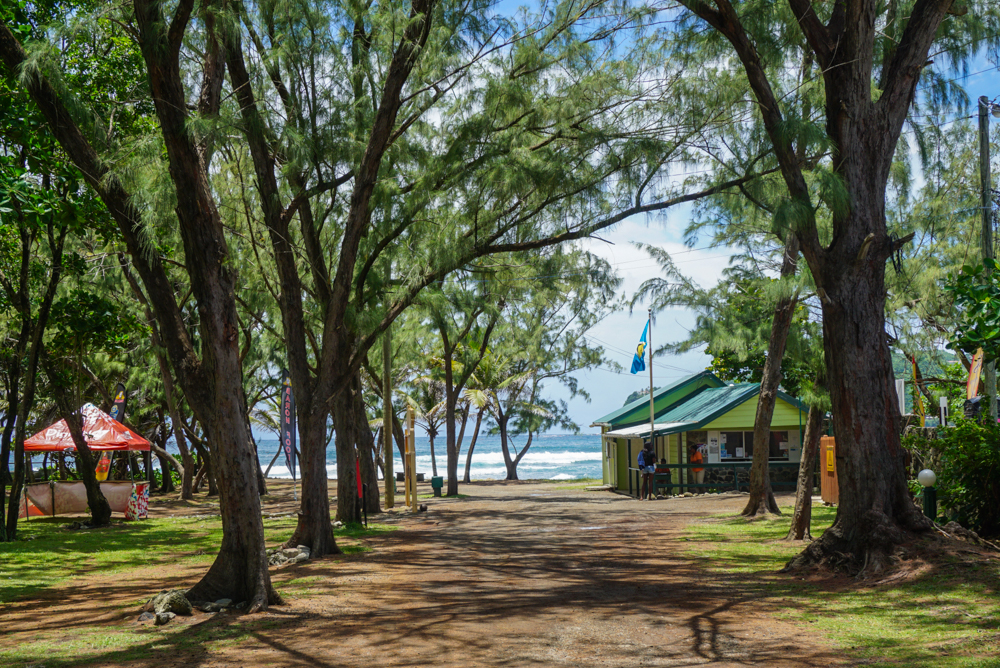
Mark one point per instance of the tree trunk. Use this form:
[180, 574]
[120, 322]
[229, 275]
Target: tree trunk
[472, 447]
[434, 465]
[366, 449]
[875, 512]
[314, 528]
[761, 499]
[100, 510]
[167, 484]
[508, 461]
[453, 472]
[345, 428]
[802, 516]
[450, 407]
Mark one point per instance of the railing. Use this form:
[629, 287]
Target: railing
[665, 480]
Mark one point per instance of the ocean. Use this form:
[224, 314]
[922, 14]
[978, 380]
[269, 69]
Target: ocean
[550, 457]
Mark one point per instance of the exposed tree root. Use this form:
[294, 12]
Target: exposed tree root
[871, 550]
[761, 504]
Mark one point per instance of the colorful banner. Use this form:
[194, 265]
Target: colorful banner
[288, 422]
[117, 411]
[103, 466]
[975, 369]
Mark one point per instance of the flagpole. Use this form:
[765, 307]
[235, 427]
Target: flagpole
[649, 343]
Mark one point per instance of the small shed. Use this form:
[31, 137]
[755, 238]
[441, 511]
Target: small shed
[702, 409]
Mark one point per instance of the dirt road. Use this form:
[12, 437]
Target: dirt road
[511, 575]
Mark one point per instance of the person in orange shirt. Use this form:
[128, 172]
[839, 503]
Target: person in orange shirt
[695, 457]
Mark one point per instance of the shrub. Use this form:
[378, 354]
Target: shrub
[968, 481]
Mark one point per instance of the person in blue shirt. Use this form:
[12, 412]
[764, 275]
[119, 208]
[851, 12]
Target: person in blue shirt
[647, 465]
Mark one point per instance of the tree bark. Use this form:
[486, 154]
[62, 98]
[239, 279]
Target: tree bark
[366, 450]
[100, 510]
[314, 527]
[472, 447]
[761, 499]
[802, 516]
[345, 428]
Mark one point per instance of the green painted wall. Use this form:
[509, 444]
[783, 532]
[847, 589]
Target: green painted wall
[622, 463]
[742, 417]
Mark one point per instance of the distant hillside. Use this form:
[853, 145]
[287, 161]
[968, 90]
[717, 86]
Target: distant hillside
[638, 394]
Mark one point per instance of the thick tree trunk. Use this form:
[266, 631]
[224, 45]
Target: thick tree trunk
[875, 512]
[761, 499]
[472, 447]
[510, 463]
[100, 510]
[314, 528]
[366, 449]
[802, 516]
[345, 428]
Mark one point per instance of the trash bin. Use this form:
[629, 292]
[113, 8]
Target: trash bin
[437, 482]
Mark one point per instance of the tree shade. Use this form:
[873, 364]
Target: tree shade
[101, 431]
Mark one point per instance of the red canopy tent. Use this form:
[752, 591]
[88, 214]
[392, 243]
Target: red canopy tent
[101, 431]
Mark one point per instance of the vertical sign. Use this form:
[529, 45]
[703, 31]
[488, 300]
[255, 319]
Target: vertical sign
[975, 370]
[118, 407]
[288, 422]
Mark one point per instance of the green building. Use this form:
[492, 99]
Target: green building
[697, 409]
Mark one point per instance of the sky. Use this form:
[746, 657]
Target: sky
[619, 333]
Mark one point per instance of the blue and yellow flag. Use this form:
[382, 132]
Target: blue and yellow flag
[639, 361]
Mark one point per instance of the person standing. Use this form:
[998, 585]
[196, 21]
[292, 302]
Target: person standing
[696, 457]
[647, 465]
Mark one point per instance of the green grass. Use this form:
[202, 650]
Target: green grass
[947, 617]
[48, 555]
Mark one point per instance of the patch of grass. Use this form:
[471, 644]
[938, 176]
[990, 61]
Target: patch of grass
[47, 554]
[102, 644]
[442, 497]
[357, 530]
[946, 617]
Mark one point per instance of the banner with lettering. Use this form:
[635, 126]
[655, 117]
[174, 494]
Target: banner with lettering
[288, 422]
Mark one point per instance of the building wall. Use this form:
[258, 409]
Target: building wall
[742, 417]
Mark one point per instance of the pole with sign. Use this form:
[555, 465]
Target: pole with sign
[288, 427]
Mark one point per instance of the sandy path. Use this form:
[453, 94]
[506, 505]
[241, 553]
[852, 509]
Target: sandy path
[513, 575]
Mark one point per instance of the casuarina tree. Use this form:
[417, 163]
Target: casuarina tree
[870, 56]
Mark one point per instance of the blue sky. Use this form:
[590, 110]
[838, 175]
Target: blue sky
[620, 333]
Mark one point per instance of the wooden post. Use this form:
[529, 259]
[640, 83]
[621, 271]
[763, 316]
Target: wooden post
[987, 229]
[406, 456]
[387, 449]
[412, 457]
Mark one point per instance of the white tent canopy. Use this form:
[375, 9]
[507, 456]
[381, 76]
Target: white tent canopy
[642, 430]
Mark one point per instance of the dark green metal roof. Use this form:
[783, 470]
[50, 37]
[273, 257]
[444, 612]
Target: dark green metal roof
[702, 407]
[664, 399]
[710, 403]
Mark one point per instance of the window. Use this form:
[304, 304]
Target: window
[778, 439]
[731, 443]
